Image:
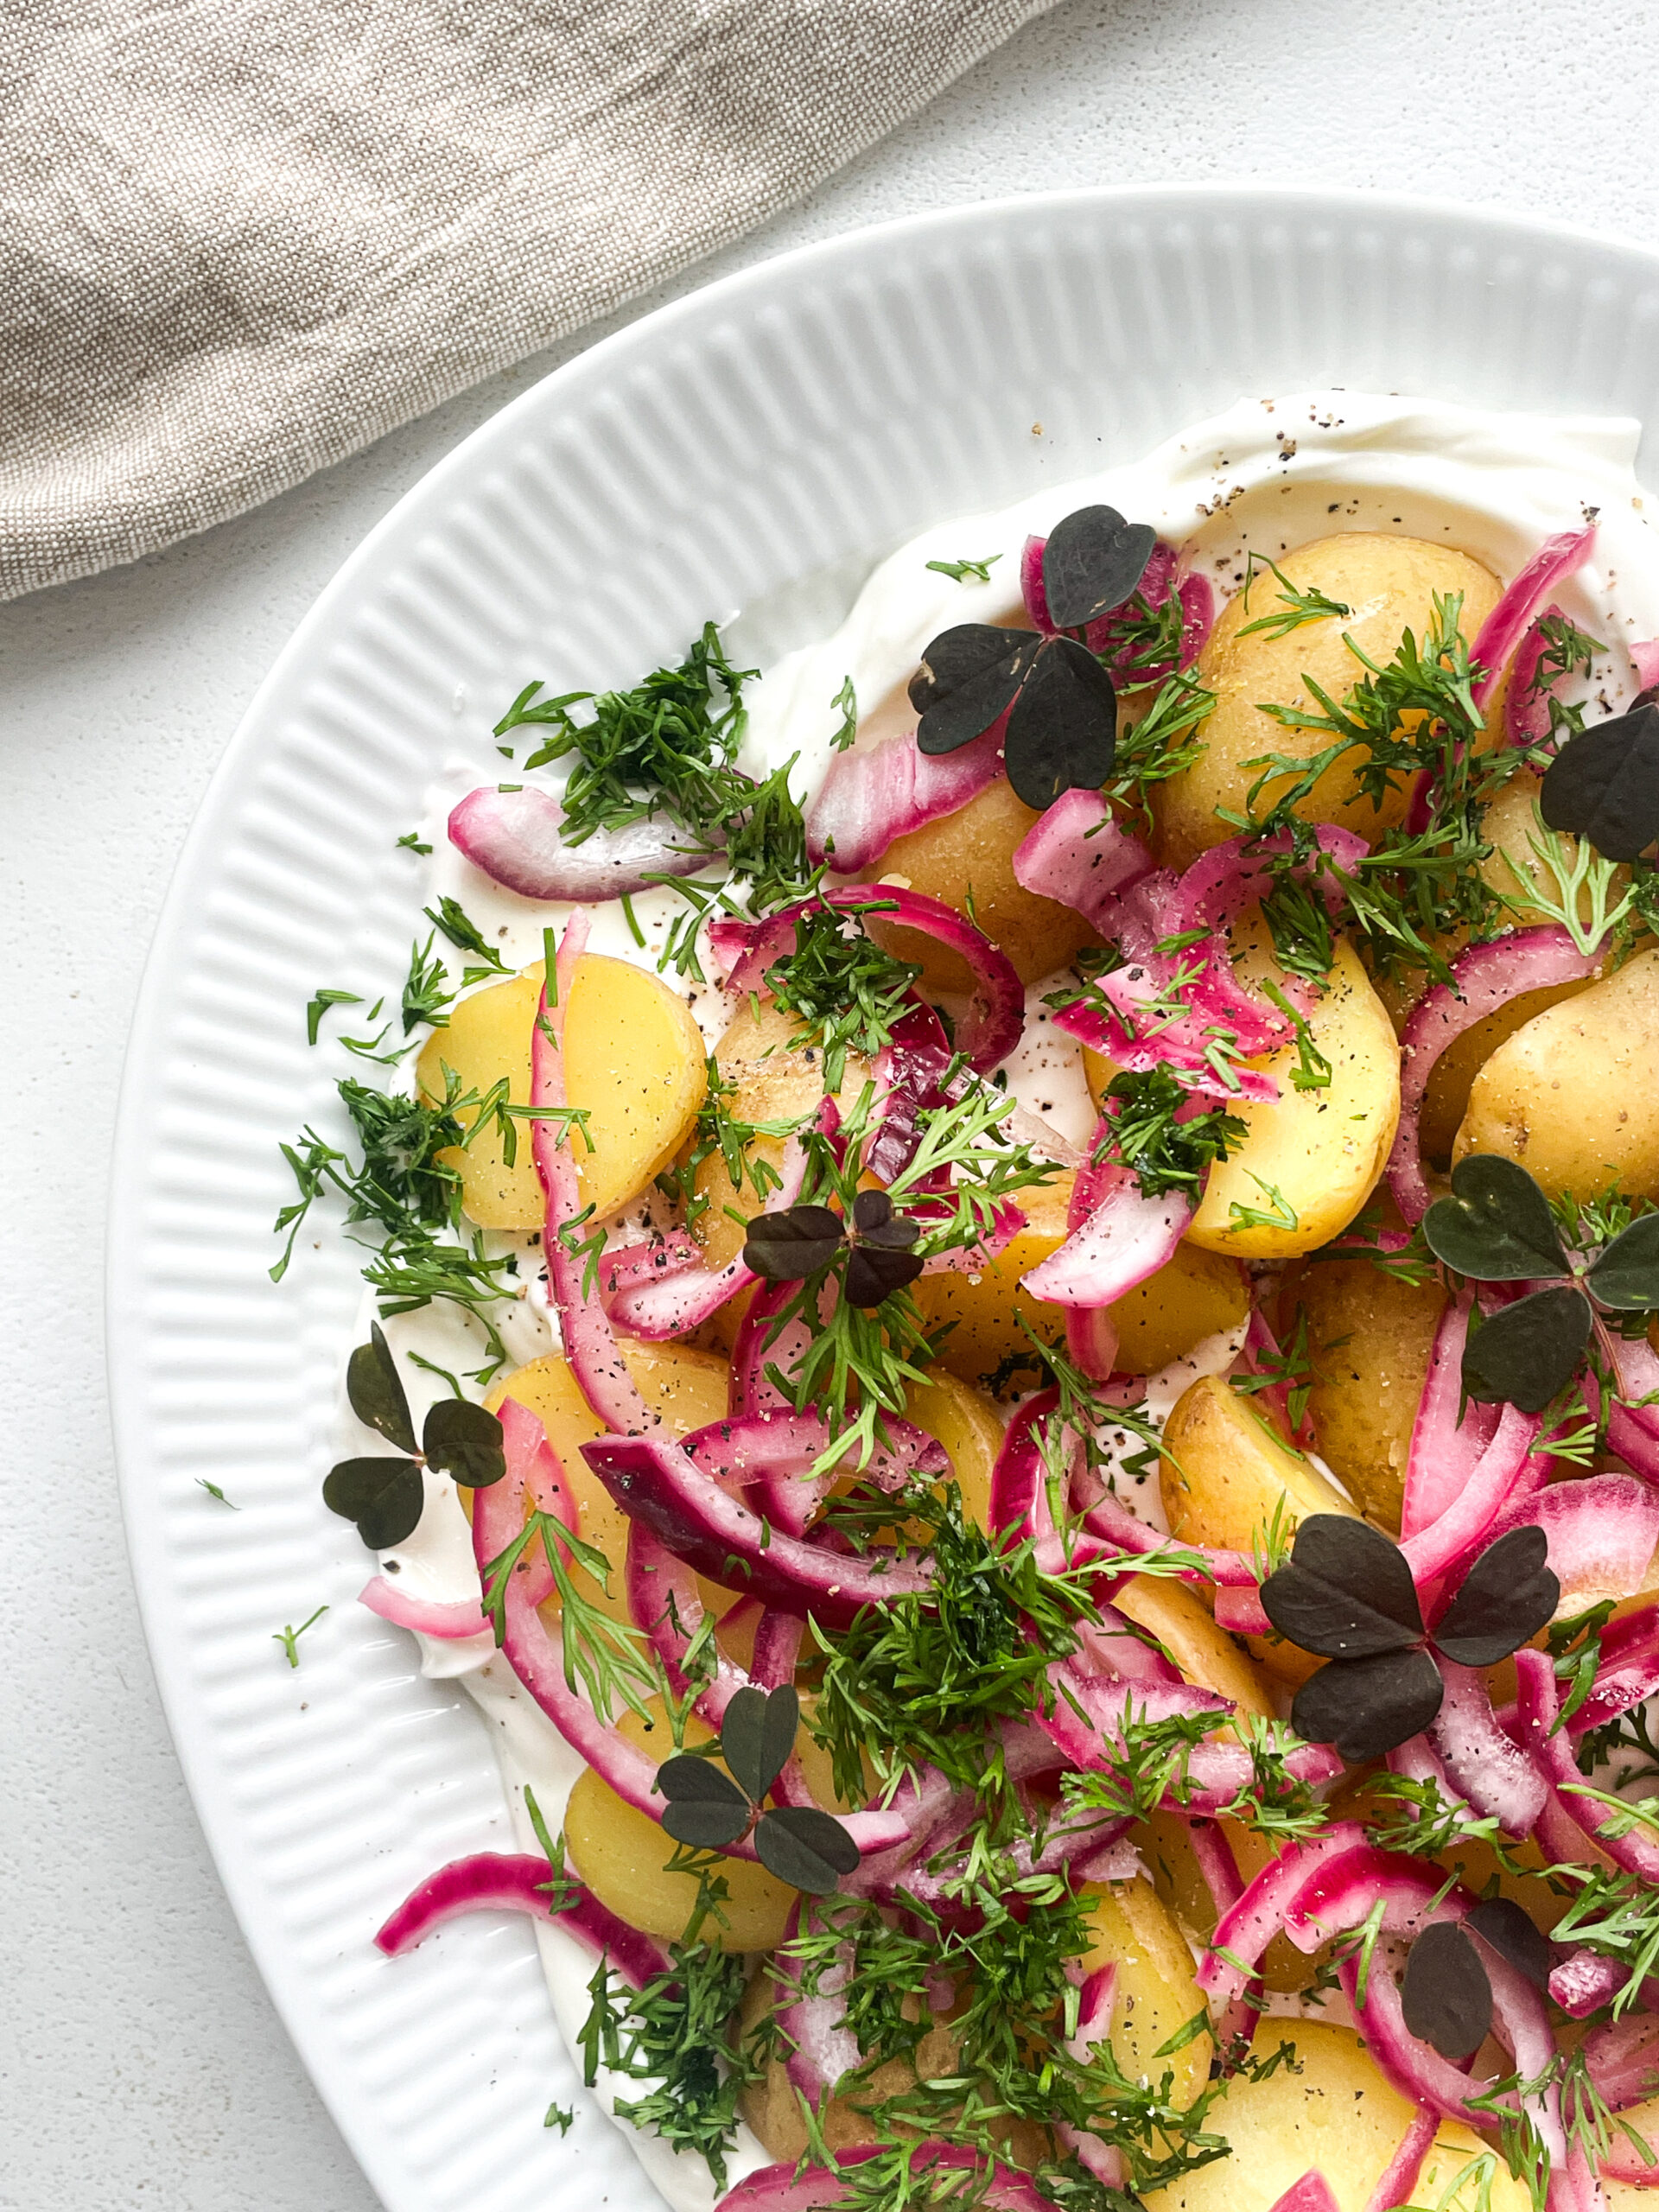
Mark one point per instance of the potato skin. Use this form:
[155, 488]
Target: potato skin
[1574, 1096]
[1368, 1336]
[1389, 583]
[967, 859]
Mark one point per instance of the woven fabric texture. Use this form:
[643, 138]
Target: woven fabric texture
[240, 240]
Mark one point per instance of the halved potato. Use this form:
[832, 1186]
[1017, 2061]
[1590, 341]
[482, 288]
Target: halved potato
[1311, 1158]
[1369, 1336]
[967, 859]
[1229, 1481]
[1201, 1652]
[1164, 1842]
[1573, 1095]
[985, 1310]
[1388, 584]
[965, 1421]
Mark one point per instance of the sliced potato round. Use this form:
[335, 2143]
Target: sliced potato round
[622, 1856]
[486, 1039]
[687, 1386]
[1330, 2110]
[634, 1063]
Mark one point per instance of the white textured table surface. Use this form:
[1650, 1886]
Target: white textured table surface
[141, 2064]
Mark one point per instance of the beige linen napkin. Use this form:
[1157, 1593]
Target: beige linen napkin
[239, 239]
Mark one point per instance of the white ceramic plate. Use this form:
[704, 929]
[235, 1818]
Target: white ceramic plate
[755, 446]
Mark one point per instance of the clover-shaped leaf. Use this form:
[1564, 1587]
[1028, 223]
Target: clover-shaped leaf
[792, 1244]
[1091, 561]
[1063, 731]
[710, 1809]
[1625, 1275]
[1501, 1923]
[1368, 1707]
[1445, 1996]
[1496, 1225]
[1346, 1592]
[1526, 1352]
[757, 1734]
[970, 677]
[804, 1847]
[881, 1261]
[462, 1439]
[705, 1808]
[376, 1390]
[1604, 784]
[1508, 1595]
[383, 1495]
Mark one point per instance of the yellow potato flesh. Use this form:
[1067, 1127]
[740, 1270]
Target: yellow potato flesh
[1369, 1336]
[634, 1062]
[622, 1856]
[1200, 1651]
[966, 859]
[1388, 584]
[1333, 2112]
[776, 1076]
[1574, 1096]
[486, 1039]
[687, 1388]
[1322, 1152]
[1229, 1481]
[1164, 1842]
[986, 1308]
[1155, 1993]
[965, 1421]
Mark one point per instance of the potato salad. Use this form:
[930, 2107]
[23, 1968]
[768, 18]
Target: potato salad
[1009, 1340]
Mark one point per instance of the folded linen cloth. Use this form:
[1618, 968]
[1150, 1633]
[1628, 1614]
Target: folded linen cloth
[241, 238]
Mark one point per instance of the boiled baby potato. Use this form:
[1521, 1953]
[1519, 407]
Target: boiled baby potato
[966, 859]
[777, 1076]
[1200, 1652]
[1155, 1993]
[1193, 1295]
[1228, 1480]
[985, 1309]
[486, 1037]
[1334, 2111]
[622, 1855]
[633, 1059]
[965, 1421]
[686, 1387]
[1369, 1338]
[1310, 1159]
[1389, 585]
[1164, 1842]
[1574, 1096]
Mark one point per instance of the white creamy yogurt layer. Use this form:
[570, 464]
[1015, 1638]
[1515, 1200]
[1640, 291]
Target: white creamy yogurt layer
[1262, 478]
